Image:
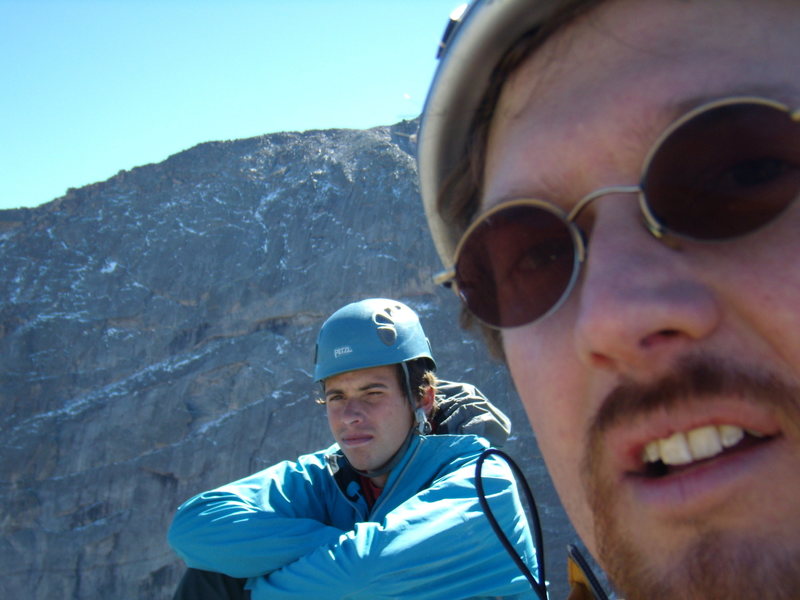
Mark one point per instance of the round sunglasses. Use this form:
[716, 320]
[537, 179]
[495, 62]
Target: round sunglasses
[723, 170]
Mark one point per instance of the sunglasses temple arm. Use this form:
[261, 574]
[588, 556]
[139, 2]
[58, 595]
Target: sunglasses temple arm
[445, 278]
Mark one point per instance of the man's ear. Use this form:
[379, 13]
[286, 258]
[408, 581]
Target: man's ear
[426, 402]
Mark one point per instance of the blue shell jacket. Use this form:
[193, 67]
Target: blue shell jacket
[302, 529]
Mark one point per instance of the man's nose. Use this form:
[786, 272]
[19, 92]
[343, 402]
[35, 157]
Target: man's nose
[641, 301]
[352, 411]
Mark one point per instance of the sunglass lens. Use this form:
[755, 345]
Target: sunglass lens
[725, 172]
[516, 265]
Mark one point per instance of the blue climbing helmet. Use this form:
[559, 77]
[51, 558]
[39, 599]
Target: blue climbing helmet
[369, 333]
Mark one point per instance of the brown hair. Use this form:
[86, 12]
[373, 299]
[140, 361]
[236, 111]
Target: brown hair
[420, 376]
[459, 197]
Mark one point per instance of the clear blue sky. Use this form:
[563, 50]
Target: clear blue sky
[91, 87]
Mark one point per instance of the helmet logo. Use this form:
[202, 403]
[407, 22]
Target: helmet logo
[341, 351]
[387, 332]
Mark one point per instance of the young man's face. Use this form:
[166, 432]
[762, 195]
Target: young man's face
[655, 338]
[368, 415]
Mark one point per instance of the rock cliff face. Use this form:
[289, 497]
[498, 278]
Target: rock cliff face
[156, 340]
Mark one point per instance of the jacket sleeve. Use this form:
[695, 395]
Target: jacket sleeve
[255, 525]
[437, 545]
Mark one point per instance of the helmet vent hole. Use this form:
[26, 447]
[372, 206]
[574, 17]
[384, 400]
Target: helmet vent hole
[387, 334]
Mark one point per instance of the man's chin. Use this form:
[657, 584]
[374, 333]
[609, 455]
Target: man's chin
[717, 565]
[361, 461]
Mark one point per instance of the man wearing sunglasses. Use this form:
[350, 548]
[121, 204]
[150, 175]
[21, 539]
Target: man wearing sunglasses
[611, 186]
[390, 510]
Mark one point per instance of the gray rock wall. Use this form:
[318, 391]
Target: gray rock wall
[156, 340]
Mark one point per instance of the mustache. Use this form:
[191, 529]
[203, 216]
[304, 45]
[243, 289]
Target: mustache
[691, 379]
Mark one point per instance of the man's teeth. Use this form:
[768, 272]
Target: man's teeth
[684, 447]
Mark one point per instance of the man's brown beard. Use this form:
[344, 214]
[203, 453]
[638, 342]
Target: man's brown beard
[719, 564]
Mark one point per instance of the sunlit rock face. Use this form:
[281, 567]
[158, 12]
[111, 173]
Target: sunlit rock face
[157, 335]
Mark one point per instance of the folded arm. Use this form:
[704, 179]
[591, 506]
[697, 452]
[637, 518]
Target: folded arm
[255, 525]
[437, 545]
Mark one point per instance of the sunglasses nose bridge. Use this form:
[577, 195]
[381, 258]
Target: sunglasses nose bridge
[579, 240]
[606, 191]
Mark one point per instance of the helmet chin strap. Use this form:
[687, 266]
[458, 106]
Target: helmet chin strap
[421, 427]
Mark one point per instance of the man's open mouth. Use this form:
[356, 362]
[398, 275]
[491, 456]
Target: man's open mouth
[686, 448]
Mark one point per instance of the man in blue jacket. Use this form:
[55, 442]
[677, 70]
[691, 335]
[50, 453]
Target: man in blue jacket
[388, 511]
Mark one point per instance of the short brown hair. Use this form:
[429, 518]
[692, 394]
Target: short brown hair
[420, 376]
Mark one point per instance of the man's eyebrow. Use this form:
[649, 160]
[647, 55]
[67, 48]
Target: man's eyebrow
[376, 384]
[363, 388]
